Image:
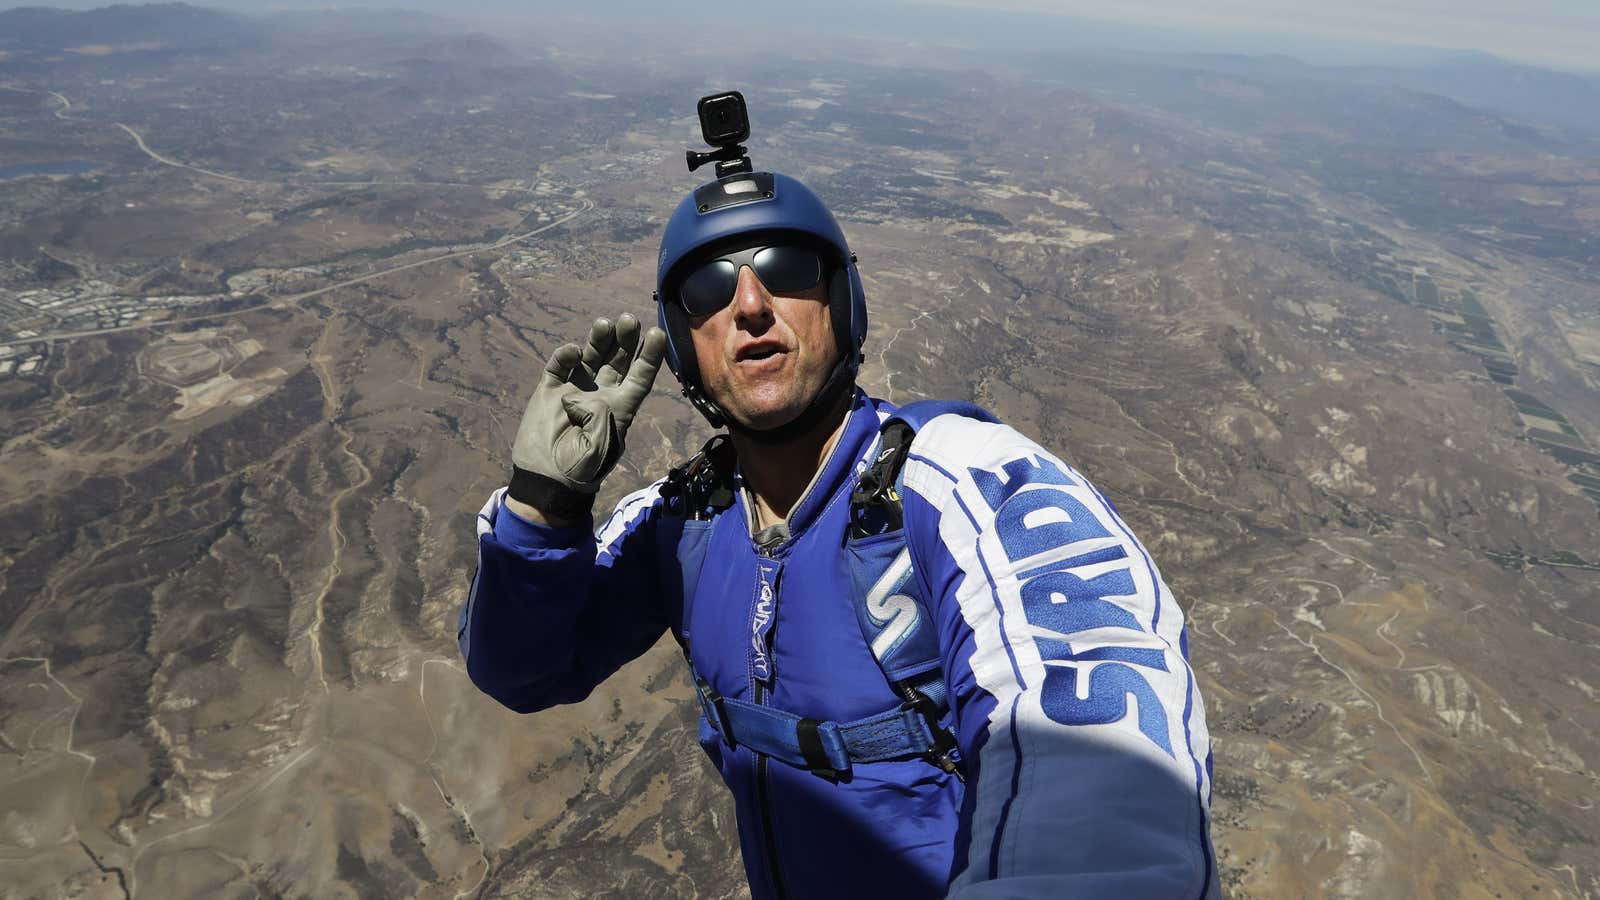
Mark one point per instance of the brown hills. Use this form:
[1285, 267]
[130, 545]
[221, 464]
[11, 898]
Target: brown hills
[236, 523]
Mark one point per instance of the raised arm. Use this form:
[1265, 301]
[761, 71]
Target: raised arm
[1067, 661]
[554, 609]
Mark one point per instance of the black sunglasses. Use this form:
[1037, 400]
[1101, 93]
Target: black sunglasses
[782, 268]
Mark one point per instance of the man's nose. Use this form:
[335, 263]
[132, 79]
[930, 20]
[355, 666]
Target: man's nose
[751, 300]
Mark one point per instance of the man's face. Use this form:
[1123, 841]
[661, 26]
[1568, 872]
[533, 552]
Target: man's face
[764, 356]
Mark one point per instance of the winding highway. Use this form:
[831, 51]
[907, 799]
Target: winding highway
[291, 299]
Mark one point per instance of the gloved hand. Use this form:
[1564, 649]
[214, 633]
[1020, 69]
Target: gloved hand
[572, 431]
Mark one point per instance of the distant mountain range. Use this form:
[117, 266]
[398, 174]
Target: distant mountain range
[34, 33]
[1472, 78]
[43, 28]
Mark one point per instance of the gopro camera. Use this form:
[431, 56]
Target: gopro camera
[723, 119]
[725, 125]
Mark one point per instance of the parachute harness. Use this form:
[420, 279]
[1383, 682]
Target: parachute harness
[701, 488]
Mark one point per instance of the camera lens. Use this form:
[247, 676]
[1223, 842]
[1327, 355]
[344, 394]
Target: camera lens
[723, 120]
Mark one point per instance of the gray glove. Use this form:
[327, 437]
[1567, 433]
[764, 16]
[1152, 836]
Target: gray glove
[573, 429]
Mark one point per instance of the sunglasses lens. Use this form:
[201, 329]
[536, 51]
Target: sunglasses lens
[788, 269]
[782, 269]
[709, 288]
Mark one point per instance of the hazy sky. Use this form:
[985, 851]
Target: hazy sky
[1559, 33]
[1565, 33]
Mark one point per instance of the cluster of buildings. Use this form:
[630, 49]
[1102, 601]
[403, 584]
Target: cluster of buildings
[77, 306]
[80, 306]
[24, 359]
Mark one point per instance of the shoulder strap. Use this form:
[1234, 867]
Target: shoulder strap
[875, 502]
[694, 492]
[890, 608]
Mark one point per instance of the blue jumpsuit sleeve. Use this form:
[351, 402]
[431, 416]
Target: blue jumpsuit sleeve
[1067, 661]
[552, 612]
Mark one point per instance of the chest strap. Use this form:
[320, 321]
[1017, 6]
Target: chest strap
[829, 749]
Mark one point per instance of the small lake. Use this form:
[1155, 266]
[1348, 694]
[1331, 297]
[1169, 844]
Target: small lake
[64, 167]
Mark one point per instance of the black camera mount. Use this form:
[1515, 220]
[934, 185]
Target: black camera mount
[730, 160]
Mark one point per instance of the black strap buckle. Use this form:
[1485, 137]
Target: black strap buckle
[806, 731]
[715, 710]
[943, 752]
[874, 503]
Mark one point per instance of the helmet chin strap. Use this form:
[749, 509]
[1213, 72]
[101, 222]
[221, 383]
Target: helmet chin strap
[840, 382]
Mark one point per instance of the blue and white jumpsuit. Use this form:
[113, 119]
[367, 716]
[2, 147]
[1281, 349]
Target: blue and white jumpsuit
[1077, 715]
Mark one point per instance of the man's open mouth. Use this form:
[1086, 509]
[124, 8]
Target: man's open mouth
[757, 352]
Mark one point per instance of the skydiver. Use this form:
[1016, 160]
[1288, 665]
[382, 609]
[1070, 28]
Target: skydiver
[930, 657]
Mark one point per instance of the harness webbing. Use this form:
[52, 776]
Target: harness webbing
[828, 748]
[701, 488]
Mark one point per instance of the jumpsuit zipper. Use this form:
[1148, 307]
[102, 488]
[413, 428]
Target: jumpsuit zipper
[763, 798]
[766, 817]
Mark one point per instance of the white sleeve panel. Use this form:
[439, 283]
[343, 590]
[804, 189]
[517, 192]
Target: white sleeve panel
[629, 510]
[1093, 780]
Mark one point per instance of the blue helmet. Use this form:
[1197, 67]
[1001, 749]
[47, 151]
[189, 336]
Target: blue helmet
[741, 208]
